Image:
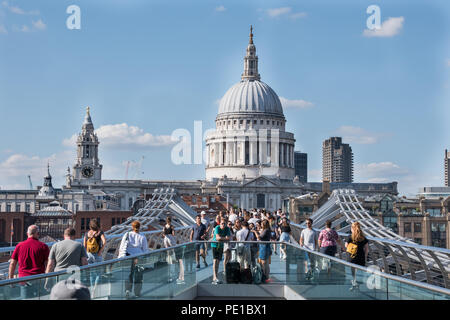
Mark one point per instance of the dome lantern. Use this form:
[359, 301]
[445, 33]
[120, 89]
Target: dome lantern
[251, 61]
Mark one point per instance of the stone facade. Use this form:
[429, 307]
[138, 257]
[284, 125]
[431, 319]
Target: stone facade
[250, 138]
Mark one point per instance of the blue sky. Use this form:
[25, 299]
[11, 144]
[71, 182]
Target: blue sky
[147, 68]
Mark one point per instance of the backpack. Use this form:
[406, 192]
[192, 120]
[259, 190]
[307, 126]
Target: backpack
[352, 249]
[92, 244]
[257, 274]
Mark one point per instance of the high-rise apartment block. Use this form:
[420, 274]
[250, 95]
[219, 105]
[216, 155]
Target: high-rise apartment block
[337, 161]
[301, 166]
[447, 167]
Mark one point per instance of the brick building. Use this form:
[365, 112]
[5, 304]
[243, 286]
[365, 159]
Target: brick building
[211, 204]
[106, 218]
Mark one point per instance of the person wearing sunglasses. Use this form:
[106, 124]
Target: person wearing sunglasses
[221, 234]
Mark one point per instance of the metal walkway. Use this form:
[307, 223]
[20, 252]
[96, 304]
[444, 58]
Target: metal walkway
[387, 250]
[393, 254]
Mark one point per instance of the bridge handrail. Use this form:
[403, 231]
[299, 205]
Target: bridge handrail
[108, 237]
[394, 242]
[426, 286]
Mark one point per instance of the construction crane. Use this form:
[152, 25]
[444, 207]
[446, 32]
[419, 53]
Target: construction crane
[31, 184]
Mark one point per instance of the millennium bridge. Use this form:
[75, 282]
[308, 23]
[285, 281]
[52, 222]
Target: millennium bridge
[397, 268]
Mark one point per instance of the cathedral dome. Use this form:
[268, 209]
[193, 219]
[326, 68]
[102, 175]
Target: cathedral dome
[251, 96]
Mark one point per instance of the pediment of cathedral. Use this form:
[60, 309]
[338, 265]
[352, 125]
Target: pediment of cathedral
[261, 182]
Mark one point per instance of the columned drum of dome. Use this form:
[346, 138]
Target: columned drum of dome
[250, 138]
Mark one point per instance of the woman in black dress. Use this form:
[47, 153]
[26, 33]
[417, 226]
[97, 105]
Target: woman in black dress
[358, 255]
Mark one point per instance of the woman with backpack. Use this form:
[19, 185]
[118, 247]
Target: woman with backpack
[94, 241]
[358, 248]
[133, 243]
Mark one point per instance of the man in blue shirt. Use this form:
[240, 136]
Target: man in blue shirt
[221, 233]
[199, 233]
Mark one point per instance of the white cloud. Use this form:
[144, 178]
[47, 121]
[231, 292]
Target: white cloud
[220, 9]
[15, 169]
[124, 136]
[36, 26]
[17, 10]
[286, 12]
[278, 11]
[3, 29]
[298, 104]
[379, 172]
[389, 28]
[448, 62]
[39, 25]
[357, 135]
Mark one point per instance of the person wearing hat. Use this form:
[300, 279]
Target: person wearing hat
[204, 219]
[206, 222]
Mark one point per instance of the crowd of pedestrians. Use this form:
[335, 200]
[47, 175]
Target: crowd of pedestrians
[245, 227]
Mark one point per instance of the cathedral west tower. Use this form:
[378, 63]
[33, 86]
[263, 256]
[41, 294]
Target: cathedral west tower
[87, 169]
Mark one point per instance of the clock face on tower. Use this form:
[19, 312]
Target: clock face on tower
[87, 172]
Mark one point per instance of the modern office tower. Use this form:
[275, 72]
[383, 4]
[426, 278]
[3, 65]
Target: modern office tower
[301, 166]
[447, 167]
[337, 161]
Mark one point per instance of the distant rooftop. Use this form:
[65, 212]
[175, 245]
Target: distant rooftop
[434, 192]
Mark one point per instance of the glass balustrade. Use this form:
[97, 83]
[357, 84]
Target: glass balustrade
[167, 273]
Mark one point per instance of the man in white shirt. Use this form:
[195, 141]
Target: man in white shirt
[233, 216]
[308, 239]
[254, 219]
[243, 250]
[206, 222]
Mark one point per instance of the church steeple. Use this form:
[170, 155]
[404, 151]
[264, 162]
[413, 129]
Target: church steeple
[87, 124]
[48, 178]
[87, 167]
[47, 191]
[251, 61]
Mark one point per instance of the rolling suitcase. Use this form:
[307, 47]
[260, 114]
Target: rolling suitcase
[233, 271]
